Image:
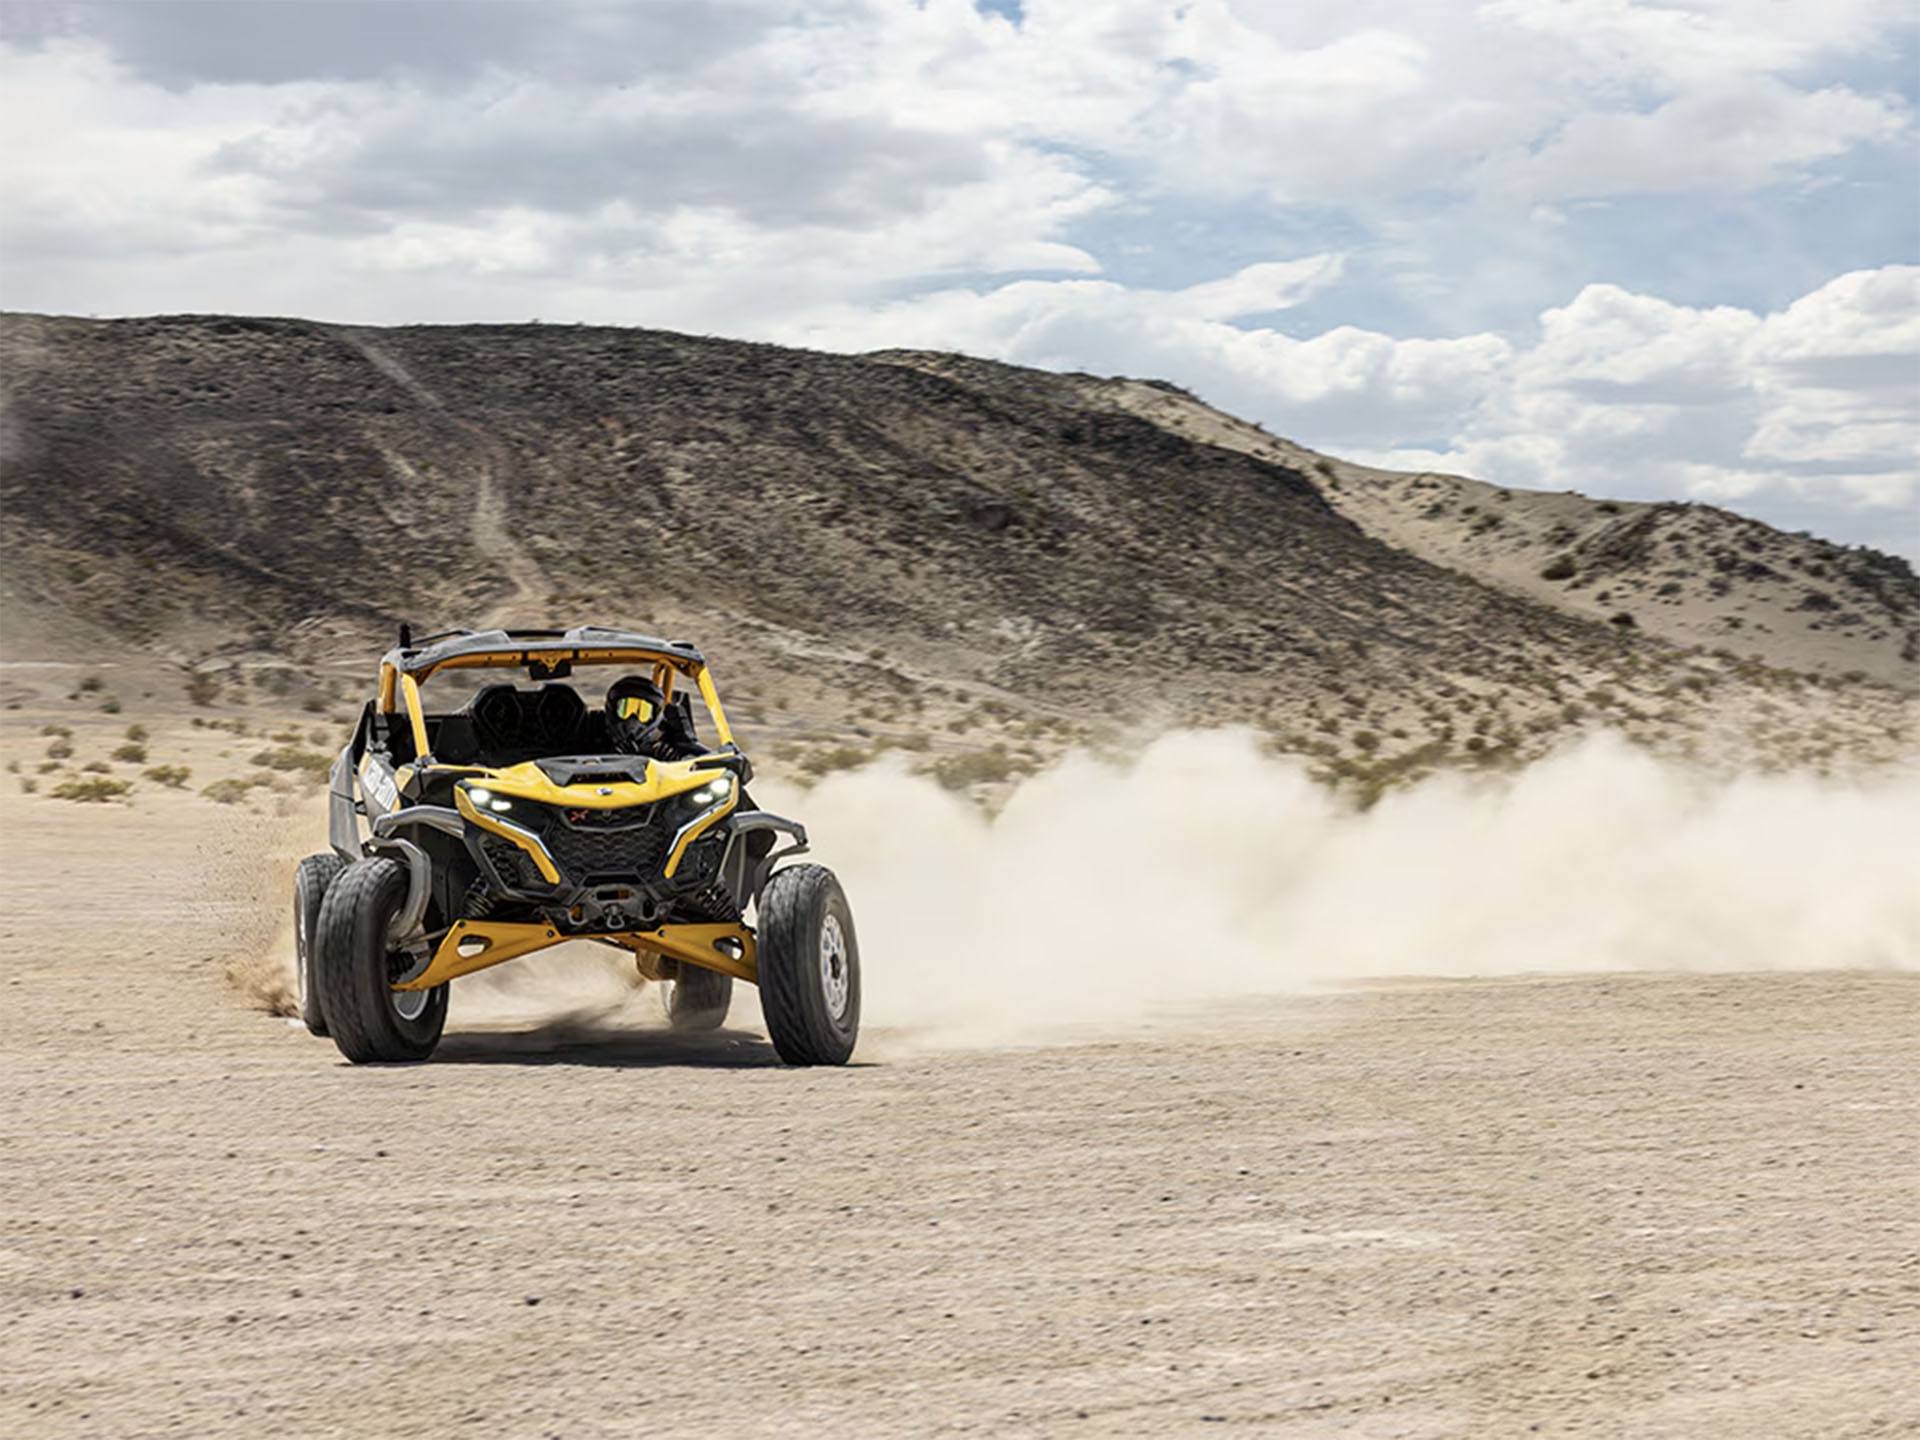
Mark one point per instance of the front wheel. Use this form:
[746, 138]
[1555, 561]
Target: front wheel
[355, 969]
[310, 884]
[809, 967]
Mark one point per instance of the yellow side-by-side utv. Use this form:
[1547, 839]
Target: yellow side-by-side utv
[524, 815]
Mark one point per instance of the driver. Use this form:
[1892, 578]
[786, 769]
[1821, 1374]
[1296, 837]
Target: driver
[641, 722]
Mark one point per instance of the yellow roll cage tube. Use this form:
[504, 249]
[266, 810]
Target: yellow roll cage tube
[473, 945]
[401, 688]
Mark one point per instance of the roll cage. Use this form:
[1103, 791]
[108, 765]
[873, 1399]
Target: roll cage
[544, 655]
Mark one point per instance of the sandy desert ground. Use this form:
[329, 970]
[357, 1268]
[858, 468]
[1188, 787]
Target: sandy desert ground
[1634, 1205]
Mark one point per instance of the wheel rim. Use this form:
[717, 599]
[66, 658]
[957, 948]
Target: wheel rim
[409, 1004]
[836, 979]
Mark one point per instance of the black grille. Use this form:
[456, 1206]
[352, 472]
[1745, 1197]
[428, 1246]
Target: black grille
[516, 867]
[620, 819]
[585, 855]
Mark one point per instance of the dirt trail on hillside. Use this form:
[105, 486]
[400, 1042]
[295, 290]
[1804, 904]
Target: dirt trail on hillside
[1626, 1205]
[492, 472]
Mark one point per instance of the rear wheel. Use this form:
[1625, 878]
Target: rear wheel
[310, 884]
[355, 969]
[809, 967]
[697, 999]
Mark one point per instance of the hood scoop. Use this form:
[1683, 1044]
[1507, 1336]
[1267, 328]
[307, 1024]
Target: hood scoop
[595, 769]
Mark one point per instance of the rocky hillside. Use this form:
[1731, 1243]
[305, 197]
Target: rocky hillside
[954, 543]
[1697, 575]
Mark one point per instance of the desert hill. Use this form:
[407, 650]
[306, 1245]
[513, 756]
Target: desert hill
[953, 541]
[1694, 574]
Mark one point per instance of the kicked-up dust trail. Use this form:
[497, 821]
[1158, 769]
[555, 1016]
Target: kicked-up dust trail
[1205, 870]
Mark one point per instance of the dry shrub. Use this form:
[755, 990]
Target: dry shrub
[91, 789]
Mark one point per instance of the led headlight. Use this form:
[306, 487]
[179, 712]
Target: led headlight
[485, 799]
[714, 792]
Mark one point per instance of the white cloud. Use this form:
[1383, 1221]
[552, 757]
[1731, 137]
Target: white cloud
[868, 172]
[1618, 394]
[1735, 137]
[1628, 394]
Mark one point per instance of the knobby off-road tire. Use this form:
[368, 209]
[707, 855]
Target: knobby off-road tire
[809, 967]
[368, 1019]
[697, 999]
[310, 884]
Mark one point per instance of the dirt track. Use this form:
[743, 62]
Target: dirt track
[1637, 1206]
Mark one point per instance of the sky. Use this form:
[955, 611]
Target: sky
[1643, 250]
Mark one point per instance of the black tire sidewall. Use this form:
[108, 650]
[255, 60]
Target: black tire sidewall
[352, 969]
[698, 998]
[311, 881]
[793, 909]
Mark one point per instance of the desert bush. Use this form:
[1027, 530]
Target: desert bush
[975, 767]
[91, 789]
[203, 689]
[172, 776]
[91, 683]
[60, 748]
[28, 785]
[313, 705]
[839, 757]
[137, 732]
[47, 767]
[1560, 568]
[131, 753]
[111, 705]
[227, 792]
[289, 757]
[59, 732]
[96, 767]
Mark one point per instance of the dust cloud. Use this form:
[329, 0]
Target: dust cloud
[1108, 894]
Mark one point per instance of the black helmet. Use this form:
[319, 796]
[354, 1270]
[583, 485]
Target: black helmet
[635, 706]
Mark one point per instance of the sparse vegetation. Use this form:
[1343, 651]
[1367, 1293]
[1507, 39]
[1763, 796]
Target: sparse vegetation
[292, 758]
[976, 767]
[131, 753]
[172, 776]
[228, 792]
[60, 748]
[818, 763]
[91, 789]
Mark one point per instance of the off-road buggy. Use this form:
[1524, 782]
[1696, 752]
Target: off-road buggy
[468, 836]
